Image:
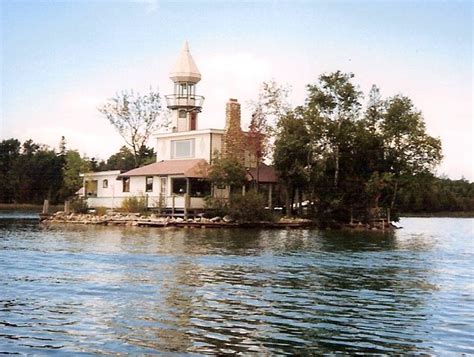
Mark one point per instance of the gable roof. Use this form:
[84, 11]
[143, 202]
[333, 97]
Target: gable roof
[193, 168]
[266, 174]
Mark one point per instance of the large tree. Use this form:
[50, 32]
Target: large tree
[73, 166]
[135, 117]
[291, 155]
[332, 106]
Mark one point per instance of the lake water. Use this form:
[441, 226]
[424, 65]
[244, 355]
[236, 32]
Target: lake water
[104, 290]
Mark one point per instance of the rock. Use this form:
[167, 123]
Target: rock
[179, 220]
[215, 219]
[228, 219]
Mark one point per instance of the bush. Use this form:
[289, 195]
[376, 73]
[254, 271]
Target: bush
[216, 206]
[79, 205]
[100, 211]
[134, 204]
[249, 208]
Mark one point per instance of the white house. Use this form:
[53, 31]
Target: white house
[177, 179]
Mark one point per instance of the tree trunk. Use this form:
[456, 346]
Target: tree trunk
[336, 170]
[258, 174]
[394, 195]
[287, 201]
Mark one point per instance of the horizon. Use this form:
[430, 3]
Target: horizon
[60, 61]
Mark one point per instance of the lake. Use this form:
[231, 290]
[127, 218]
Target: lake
[114, 290]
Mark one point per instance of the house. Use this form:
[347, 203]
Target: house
[178, 179]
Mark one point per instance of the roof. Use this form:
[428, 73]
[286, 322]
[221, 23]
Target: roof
[266, 174]
[193, 168]
[185, 69]
[101, 173]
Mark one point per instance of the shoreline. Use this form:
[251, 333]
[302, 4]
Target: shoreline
[137, 220]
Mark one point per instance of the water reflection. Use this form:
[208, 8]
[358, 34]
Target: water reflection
[115, 290]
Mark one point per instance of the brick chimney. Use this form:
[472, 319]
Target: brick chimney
[233, 144]
[232, 115]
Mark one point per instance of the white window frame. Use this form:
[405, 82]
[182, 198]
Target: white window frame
[173, 149]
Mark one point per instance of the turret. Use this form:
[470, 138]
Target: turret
[184, 103]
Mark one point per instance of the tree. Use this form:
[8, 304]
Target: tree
[74, 165]
[135, 117]
[332, 105]
[408, 149]
[227, 171]
[122, 160]
[9, 154]
[267, 110]
[291, 155]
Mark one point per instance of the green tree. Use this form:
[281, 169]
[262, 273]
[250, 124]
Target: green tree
[291, 155]
[9, 154]
[332, 106]
[122, 160]
[74, 166]
[408, 149]
[227, 171]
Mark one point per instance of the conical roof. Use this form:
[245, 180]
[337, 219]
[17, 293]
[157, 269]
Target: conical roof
[185, 69]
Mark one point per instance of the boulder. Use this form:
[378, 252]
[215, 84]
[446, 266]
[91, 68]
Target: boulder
[228, 219]
[215, 219]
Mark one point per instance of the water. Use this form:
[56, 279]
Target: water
[104, 290]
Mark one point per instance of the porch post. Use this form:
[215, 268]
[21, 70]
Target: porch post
[270, 192]
[186, 199]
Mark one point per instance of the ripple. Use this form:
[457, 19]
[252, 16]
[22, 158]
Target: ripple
[109, 290]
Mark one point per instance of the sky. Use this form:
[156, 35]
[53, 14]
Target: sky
[61, 59]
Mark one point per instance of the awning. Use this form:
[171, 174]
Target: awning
[194, 168]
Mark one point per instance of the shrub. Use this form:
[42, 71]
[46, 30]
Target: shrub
[249, 207]
[134, 204]
[100, 211]
[216, 206]
[79, 205]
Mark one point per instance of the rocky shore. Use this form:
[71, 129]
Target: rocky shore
[136, 219]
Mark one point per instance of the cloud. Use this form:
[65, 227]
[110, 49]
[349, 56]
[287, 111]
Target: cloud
[72, 111]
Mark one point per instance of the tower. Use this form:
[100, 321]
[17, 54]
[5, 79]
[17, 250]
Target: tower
[184, 103]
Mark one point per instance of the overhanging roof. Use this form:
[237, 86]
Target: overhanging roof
[193, 168]
[266, 174]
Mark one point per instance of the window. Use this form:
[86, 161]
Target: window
[179, 185]
[163, 181]
[149, 184]
[182, 113]
[199, 188]
[184, 90]
[105, 183]
[126, 184]
[181, 149]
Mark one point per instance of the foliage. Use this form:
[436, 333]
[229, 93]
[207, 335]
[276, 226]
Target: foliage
[270, 105]
[351, 162]
[79, 205]
[249, 207]
[291, 154]
[216, 206]
[244, 208]
[227, 171]
[100, 211]
[134, 204]
[74, 165]
[135, 117]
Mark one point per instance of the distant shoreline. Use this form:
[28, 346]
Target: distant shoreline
[445, 214]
